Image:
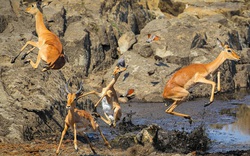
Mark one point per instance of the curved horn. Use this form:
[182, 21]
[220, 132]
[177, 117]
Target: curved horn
[66, 87]
[80, 89]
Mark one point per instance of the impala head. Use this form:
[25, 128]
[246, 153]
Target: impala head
[120, 67]
[72, 97]
[34, 7]
[228, 52]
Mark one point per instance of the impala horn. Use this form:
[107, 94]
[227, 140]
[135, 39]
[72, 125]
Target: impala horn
[66, 87]
[80, 89]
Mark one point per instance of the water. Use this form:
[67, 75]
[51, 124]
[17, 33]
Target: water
[226, 120]
[234, 136]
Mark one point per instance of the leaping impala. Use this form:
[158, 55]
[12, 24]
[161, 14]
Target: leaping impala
[79, 120]
[177, 86]
[49, 45]
[109, 98]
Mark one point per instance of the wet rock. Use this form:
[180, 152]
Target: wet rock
[182, 142]
[168, 141]
[147, 135]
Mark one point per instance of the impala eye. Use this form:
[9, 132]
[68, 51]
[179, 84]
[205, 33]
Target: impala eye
[229, 50]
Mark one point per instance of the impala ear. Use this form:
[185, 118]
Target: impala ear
[220, 44]
[226, 43]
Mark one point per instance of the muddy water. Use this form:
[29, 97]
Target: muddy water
[227, 120]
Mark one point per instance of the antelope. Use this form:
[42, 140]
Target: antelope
[79, 120]
[177, 86]
[109, 98]
[49, 45]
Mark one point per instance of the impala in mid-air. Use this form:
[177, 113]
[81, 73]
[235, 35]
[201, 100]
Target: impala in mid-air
[177, 86]
[49, 45]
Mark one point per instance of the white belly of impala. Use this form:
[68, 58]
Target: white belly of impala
[107, 108]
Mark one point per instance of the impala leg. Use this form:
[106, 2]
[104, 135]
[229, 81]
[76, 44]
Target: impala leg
[62, 136]
[179, 94]
[26, 44]
[104, 138]
[90, 145]
[218, 82]
[171, 108]
[203, 80]
[34, 65]
[75, 137]
[97, 103]
[23, 57]
[106, 120]
[91, 92]
[117, 114]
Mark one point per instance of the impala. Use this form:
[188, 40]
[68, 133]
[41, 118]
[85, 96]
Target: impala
[177, 86]
[49, 45]
[79, 120]
[109, 98]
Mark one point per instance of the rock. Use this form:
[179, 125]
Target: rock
[173, 141]
[245, 56]
[147, 135]
[242, 77]
[145, 50]
[54, 14]
[3, 23]
[126, 41]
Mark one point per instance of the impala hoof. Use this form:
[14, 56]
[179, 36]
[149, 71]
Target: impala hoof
[13, 60]
[207, 104]
[216, 92]
[190, 119]
[27, 61]
[108, 145]
[23, 57]
[44, 69]
[76, 149]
